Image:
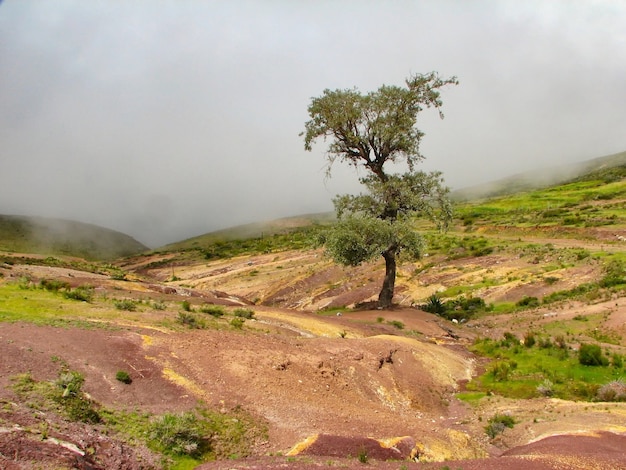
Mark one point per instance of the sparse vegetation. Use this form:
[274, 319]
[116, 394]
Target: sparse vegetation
[123, 376]
[498, 423]
[244, 313]
[125, 304]
[81, 293]
[216, 311]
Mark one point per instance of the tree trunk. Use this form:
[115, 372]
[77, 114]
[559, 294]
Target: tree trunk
[386, 293]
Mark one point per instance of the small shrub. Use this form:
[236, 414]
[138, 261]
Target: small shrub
[500, 370]
[76, 405]
[510, 340]
[398, 324]
[380, 319]
[528, 302]
[189, 320]
[123, 377]
[529, 339]
[53, 285]
[158, 305]
[237, 323]
[546, 388]
[213, 310]
[617, 361]
[125, 304]
[180, 434]
[613, 391]
[591, 355]
[81, 293]
[244, 313]
[363, 458]
[434, 305]
[498, 423]
[186, 306]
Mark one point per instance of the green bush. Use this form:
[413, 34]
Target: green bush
[237, 323]
[189, 320]
[433, 305]
[398, 324]
[123, 377]
[53, 285]
[186, 306]
[180, 434]
[74, 402]
[244, 313]
[125, 304]
[213, 310]
[81, 293]
[591, 355]
[529, 339]
[528, 302]
[158, 305]
[498, 424]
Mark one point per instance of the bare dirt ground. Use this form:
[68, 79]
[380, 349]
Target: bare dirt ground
[329, 388]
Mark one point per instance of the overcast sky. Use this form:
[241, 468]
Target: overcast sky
[169, 119]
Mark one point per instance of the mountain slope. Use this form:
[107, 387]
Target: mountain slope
[538, 179]
[64, 237]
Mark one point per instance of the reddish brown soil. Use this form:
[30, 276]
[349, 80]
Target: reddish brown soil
[329, 388]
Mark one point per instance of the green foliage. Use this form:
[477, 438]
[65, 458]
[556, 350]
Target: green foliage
[398, 324]
[362, 456]
[615, 274]
[74, 402]
[434, 305]
[286, 239]
[125, 304]
[190, 320]
[462, 308]
[180, 434]
[591, 355]
[237, 323]
[367, 131]
[245, 313]
[354, 240]
[528, 302]
[158, 305]
[54, 285]
[186, 306]
[521, 372]
[123, 377]
[213, 310]
[498, 423]
[81, 293]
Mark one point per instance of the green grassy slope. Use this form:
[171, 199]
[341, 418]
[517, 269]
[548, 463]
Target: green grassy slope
[539, 179]
[63, 237]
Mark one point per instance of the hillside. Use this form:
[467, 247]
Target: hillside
[540, 178]
[48, 236]
[267, 354]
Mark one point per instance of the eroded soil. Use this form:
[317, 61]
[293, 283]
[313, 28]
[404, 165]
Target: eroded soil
[329, 388]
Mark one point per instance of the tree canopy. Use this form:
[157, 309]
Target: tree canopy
[369, 131]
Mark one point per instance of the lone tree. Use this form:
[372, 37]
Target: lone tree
[369, 131]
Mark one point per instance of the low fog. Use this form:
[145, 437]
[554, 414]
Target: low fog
[169, 119]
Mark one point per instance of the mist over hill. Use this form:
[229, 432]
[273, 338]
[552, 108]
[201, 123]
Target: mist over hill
[64, 237]
[540, 178]
[49, 236]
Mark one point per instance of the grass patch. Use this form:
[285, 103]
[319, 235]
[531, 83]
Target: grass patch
[184, 439]
[521, 371]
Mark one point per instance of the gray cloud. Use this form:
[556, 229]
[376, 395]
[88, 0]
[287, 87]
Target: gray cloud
[169, 119]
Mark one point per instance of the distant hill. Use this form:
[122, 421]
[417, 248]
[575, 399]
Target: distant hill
[539, 179]
[49, 236]
[254, 230]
